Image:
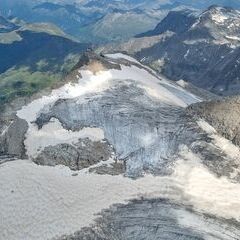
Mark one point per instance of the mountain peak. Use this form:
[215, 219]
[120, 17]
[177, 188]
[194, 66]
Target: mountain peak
[175, 21]
[223, 23]
[220, 15]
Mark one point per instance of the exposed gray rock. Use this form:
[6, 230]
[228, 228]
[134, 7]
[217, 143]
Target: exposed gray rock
[78, 156]
[175, 21]
[200, 92]
[12, 138]
[223, 115]
[146, 134]
[62, 154]
[89, 57]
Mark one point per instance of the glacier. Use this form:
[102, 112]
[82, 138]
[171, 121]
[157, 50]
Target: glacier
[180, 179]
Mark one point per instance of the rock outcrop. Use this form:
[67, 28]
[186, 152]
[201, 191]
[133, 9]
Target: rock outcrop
[12, 138]
[81, 155]
[223, 115]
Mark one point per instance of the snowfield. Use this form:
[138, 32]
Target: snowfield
[44, 202]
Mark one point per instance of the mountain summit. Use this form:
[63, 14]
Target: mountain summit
[203, 49]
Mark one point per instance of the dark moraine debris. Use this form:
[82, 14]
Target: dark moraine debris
[156, 219]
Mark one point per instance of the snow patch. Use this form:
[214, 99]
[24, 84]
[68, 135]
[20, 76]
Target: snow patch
[235, 38]
[182, 83]
[219, 18]
[53, 134]
[186, 54]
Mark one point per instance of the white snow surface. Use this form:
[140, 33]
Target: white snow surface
[53, 133]
[236, 38]
[39, 202]
[121, 55]
[219, 18]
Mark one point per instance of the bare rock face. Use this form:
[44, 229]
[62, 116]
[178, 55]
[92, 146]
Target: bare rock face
[63, 154]
[78, 156]
[95, 62]
[12, 138]
[223, 115]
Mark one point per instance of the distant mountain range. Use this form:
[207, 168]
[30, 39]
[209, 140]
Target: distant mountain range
[198, 47]
[206, 3]
[89, 21]
[33, 57]
[101, 21]
[201, 49]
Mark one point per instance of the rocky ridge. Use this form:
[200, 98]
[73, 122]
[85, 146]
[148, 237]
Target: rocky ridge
[204, 51]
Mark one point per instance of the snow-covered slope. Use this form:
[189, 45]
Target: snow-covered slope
[222, 23]
[125, 132]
